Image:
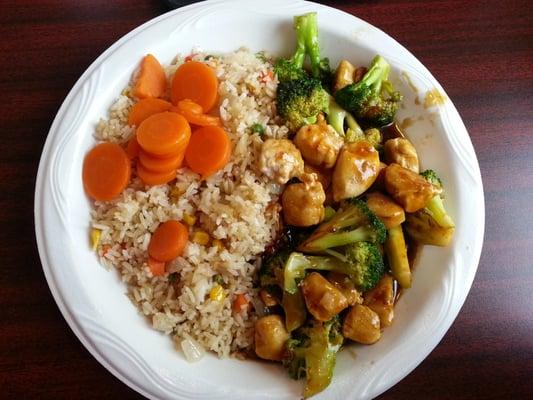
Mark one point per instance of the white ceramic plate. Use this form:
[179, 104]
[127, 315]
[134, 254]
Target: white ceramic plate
[93, 300]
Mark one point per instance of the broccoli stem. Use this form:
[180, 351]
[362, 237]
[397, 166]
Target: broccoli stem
[377, 73]
[396, 251]
[336, 239]
[308, 25]
[300, 26]
[435, 207]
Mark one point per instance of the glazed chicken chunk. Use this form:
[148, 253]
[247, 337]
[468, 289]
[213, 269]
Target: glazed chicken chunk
[323, 300]
[280, 160]
[303, 203]
[362, 325]
[270, 337]
[408, 189]
[356, 169]
[401, 152]
[319, 143]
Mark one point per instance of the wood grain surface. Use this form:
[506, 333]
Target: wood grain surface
[482, 54]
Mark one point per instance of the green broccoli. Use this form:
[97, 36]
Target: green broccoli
[435, 207]
[271, 271]
[338, 117]
[361, 261]
[372, 100]
[431, 225]
[301, 100]
[354, 222]
[312, 353]
[301, 97]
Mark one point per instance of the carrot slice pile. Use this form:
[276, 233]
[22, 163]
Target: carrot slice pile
[133, 148]
[156, 164]
[168, 241]
[164, 134]
[145, 108]
[195, 81]
[194, 113]
[106, 171]
[209, 150]
[152, 81]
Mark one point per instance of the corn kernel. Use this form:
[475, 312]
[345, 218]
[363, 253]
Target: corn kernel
[175, 193]
[189, 219]
[218, 244]
[95, 238]
[217, 293]
[200, 237]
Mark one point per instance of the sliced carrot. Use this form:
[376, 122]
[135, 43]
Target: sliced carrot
[146, 107]
[168, 241]
[161, 165]
[194, 114]
[240, 303]
[209, 150]
[196, 81]
[106, 171]
[152, 81]
[164, 134]
[157, 267]
[133, 148]
[155, 178]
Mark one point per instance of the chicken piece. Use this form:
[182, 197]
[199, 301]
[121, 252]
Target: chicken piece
[401, 152]
[380, 299]
[323, 300]
[356, 169]
[361, 325]
[390, 213]
[303, 203]
[270, 337]
[323, 175]
[319, 143]
[346, 286]
[280, 160]
[408, 189]
[343, 75]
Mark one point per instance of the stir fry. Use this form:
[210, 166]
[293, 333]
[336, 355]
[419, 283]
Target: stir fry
[353, 203]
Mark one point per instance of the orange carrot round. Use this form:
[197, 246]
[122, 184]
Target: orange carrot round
[145, 108]
[153, 178]
[168, 241]
[240, 303]
[152, 80]
[194, 114]
[164, 134]
[161, 165]
[196, 81]
[157, 267]
[133, 148]
[209, 150]
[106, 171]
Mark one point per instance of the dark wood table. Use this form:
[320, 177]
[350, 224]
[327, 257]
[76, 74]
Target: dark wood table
[482, 54]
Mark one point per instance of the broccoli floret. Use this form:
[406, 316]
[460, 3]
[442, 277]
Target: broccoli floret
[301, 100]
[432, 224]
[372, 100]
[435, 207]
[301, 97]
[361, 261]
[365, 265]
[312, 353]
[271, 271]
[354, 222]
[373, 136]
